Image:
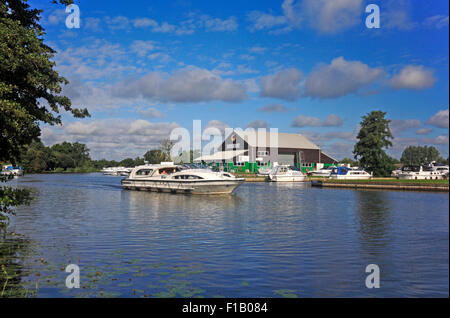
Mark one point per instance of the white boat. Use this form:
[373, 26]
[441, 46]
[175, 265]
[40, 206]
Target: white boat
[420, 173]
[12, 170]
[175, 179]
[440, 168]
[345, 173]
[285, 173]
[324, 172]
[265, 171]
[116, 171]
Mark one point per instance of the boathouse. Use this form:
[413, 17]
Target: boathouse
[248, 151]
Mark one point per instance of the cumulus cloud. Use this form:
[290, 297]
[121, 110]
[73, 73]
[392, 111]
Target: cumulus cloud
[340, 78]
[112, 138]
[306, 121]
[397, 15]
[424, 131]
[261, 21]
[437, 21]
[322, 15]
[273, 108]
[189, 26]
[284, 84]
[190, 84]
[255, 124]
[214, 125]
[150, 113]
[398, 126]
[440, 119]
[415, 77]
[439, 140]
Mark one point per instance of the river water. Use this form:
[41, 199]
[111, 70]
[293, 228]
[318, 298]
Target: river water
[266, 240]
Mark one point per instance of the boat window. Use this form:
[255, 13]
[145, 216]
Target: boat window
[167, 171]
[144, 172]
[188, 177]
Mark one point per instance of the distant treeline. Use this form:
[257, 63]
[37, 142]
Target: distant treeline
[412, 155]
[75, 158]
[66, 157]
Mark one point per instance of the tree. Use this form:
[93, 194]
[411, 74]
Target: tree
[166, 147]
[374, 137]
[154, 156]
[417, 155]
[30, 87]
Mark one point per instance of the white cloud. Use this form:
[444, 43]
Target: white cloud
[112, 138]
[398, 126]
[150, 113]
[397, 15]
[439, 140]
[306, 121]
[284, 84]
[424, 131]
[262, 21]
[440, 119]
[340, 78]
[190, 84]
[273, 108]
[323, 15]
[255, 124]
[415, 77]
[437, 22]
[141, 48]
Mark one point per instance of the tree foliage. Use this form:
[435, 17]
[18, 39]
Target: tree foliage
[417, 155]
[30, 87]
[373, 138]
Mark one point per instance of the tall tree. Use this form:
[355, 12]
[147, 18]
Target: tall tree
[30, 87]
[417, 155]
[373, 138]
[166, 147]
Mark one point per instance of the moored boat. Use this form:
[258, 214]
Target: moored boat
[176, 179]
[420, 173]
[345, 173]
[285, 173]
[324, 172]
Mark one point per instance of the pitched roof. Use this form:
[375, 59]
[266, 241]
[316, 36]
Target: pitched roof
[283, 140]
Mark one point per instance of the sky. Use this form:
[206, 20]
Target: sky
[144, 68]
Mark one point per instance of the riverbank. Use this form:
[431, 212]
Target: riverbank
[385, 183]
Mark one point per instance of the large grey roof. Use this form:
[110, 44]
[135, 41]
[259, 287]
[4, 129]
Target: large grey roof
[279, 140]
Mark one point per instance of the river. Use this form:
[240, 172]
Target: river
[266, 240]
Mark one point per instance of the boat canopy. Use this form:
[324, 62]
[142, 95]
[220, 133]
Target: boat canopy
[221, 155]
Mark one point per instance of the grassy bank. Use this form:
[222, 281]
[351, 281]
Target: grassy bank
[386, 181]
[74, 170]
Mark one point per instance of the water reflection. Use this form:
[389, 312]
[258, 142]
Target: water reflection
[373, 214]
[267, 240]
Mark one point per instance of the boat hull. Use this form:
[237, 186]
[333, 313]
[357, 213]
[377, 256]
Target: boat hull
[277, 178]
[182, 186]
[420, 177]
[339, 177]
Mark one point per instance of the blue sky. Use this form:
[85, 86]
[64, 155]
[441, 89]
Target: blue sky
[306, 66]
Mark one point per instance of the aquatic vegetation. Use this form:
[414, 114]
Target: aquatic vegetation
[285, 293]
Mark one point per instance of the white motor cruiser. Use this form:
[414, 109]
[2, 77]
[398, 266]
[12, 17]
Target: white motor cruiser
[177, 179]
[324, 172]
[345, 173]
[285, 173]
[420, 173]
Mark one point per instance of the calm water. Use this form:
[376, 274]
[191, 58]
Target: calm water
[267, 240]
